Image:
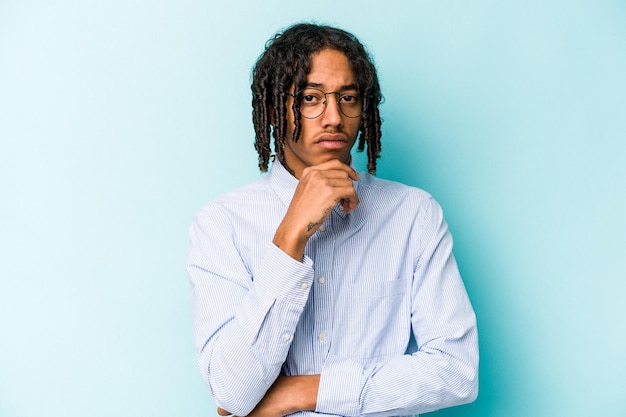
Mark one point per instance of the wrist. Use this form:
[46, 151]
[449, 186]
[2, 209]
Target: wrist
[290, 242]
[306, 392]
[290, 394]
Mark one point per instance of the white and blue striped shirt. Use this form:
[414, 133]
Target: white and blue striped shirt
[376, 307]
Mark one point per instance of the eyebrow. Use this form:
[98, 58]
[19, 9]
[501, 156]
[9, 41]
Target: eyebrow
[342, 88]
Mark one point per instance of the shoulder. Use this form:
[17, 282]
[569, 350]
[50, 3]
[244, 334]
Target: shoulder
[394, 201]
[378, 188]
[241, 198]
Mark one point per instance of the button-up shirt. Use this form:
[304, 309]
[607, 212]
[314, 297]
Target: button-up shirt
[376, 306]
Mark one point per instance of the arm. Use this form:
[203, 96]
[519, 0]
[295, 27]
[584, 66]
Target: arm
[442, 369]
[319, 189]
[442, 372]
[287, 395]
[242, 323]
[244, 320]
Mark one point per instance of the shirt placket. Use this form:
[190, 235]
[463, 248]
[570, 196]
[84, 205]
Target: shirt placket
[323, 300]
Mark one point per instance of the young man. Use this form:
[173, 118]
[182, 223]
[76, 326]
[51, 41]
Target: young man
[316, 289]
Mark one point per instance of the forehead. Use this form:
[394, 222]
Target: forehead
[330, 68]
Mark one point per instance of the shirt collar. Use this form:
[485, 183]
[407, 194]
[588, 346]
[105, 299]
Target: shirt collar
[283, 183]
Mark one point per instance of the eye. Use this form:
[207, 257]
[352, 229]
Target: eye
[349, 99]
[311, 97]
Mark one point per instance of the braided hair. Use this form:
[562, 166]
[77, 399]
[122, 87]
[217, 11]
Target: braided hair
[286, 61]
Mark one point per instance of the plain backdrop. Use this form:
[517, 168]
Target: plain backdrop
[120, 119]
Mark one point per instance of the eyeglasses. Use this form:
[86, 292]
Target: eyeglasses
[312, 102]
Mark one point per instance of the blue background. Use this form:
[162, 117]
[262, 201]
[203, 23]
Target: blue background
[119, 119]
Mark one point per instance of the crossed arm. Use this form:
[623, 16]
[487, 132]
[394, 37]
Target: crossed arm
[245, 381]
[319, 189]
[287, 395]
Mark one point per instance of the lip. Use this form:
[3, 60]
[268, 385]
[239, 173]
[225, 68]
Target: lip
[332, 141]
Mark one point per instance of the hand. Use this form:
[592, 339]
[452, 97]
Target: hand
[287, 395]
[320, 187]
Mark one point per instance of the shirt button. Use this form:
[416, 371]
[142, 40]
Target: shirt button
[322, 337]
[286, 337]
[322, 228]
[304, 285]
[322, 280]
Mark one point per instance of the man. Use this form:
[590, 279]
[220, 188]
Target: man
[316, 289]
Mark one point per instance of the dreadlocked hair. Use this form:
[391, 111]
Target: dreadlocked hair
[286, 62]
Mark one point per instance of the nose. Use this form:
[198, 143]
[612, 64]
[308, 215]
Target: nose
[332, 114]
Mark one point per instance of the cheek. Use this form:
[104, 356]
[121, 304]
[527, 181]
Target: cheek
[289, 129]
[305, 128]
[354, 127]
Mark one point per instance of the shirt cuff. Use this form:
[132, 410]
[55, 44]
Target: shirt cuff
[341, 384]
[283, 277]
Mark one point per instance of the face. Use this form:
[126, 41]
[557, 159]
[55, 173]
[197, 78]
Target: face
[331, 135]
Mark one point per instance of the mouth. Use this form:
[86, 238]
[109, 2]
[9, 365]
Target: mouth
[332, 141]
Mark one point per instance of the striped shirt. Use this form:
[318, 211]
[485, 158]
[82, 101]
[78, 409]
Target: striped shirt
[376, 307]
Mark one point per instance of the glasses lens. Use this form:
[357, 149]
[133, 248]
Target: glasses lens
[313, 103]
[350, 104]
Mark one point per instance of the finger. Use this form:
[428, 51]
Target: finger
[348, 204]
[222, 412]
[335, 173]
[328, 173]
[338, 165]
[349, 201]
[352, 174]
[342, 182]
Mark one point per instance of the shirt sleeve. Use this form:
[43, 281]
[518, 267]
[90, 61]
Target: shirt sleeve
[443, 371]
[243, 322]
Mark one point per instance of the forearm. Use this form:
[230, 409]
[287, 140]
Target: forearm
[405, 384]
[240, 363]
[288, 395]
[442, 367]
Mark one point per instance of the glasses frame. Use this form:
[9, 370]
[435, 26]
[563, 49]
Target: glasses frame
[339, 95]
